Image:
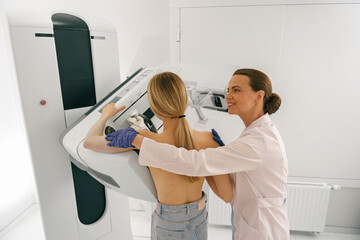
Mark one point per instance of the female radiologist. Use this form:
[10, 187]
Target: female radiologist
[257, 159]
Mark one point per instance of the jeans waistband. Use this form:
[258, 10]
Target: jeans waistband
[190, 209]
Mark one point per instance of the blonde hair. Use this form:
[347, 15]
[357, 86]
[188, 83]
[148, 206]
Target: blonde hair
[168, 98]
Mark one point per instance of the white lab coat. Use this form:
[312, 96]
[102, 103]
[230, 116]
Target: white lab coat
[258, 165]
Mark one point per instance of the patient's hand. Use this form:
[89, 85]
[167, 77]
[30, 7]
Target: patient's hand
[110, 110]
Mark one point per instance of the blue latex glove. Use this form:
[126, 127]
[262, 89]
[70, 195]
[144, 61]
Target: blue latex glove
[121, 138]
[217, 138]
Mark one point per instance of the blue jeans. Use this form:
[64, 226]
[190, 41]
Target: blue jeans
[187, 221]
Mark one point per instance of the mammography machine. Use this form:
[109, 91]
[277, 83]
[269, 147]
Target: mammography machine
[67, 69]
[65, 63]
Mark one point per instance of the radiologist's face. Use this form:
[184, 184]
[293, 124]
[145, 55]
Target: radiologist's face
[240, 97]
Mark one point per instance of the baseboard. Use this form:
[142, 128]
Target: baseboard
[335, 229]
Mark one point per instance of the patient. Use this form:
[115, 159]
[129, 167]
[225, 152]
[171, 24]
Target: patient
[181, 210]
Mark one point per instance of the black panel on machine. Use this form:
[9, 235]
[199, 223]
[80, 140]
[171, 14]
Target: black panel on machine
[73, 51]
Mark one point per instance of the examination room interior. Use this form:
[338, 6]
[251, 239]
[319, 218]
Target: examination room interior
[310, 50]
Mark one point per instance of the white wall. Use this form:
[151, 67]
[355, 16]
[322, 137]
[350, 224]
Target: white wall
[16, 179]
[143, 35]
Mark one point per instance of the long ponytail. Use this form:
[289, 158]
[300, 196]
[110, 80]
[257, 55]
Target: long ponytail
[168, 98]
[184, 139]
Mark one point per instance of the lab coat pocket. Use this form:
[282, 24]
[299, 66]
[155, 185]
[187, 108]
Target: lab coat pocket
[248, 232]
[163, 234]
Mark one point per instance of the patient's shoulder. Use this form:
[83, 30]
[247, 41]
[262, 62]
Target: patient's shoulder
[204, 140]
[147, 134]
[162, 138]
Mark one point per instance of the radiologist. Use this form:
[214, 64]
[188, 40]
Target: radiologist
[256, 160]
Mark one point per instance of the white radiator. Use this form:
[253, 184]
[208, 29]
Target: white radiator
[307, 206]
[219, 211]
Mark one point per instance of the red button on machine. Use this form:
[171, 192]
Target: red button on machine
[43, 102]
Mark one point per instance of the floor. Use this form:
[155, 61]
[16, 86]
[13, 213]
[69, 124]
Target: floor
[28, 227]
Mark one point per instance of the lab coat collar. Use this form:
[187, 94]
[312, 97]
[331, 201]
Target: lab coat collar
[261, 120]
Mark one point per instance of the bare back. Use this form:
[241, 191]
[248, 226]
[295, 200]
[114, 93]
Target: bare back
[173, 189]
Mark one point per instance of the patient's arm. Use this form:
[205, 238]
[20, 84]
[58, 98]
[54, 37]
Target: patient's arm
[221, 186]
[95, 140]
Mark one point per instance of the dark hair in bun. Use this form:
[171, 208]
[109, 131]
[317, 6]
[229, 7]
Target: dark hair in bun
[260, 81]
